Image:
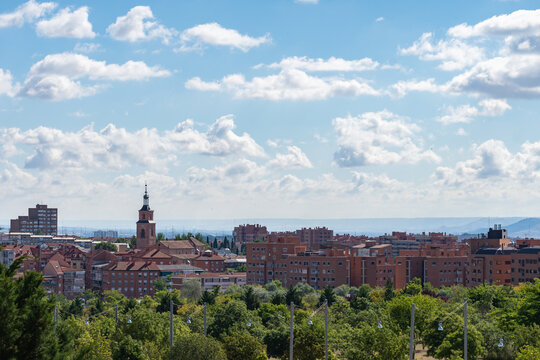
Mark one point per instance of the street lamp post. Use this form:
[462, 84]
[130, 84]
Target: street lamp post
[411, 342]
[292, 332]
[465, 330]
[325, 329]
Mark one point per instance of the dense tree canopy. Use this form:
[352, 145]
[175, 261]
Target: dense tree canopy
[252, 322]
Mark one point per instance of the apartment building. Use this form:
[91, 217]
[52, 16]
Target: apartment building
[10, 253]
[133, 279]
[60, 278]
[209, 261]
[40, 220]
[270, 254]
[209, 281]
[438, 264]
[316, 238]
[249, 233]
[372, 264]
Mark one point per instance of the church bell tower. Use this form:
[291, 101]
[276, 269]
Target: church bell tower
[146, 227]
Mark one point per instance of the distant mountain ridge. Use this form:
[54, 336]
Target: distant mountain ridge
[516, 226]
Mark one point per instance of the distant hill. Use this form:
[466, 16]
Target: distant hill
[465, 226]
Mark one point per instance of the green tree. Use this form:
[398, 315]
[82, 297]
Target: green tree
[389, 289]
[414, 287]
[308, 339]
[191, 346]
[327, 295]
[160, 237]
[529, 311]
[225, 243]
[251, 300]
[242, 346]
[293, 295]
[164, 298]
[209, 297]
[160, 284]
[26, 327]
[129, 349]
[106, 246]
[370, 342]
[363, 291]
[449, 342]
[277, 341]
[529, 353]
[229, 317]
[191, 289]
[342, 290]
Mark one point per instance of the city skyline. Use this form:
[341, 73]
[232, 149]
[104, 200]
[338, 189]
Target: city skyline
[289, 109]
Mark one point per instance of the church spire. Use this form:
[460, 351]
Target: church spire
[146, 198]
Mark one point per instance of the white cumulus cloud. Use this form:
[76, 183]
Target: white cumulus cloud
[517, 23]
[330, 64]
[46, 148]
[453, 54]
[219, 140]
[516, 75]
[467, 113]
[294, 158]
[378, 138]
[289, 84]
[7, 85]
[139, 24]
[493, 161]
[26, 13]
[402, 88]
[217, 35]
[67, 23]
[56, 77]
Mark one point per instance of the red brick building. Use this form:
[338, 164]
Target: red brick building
[209, 261]
[316, 238]
[248, 233]
[60, 278]
[182, 247]
[440, 265]
[209, 281]
[372, 265]
[286, 259]
[40, 220]
[133, 279]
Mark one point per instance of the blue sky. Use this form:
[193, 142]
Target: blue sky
[238, 109]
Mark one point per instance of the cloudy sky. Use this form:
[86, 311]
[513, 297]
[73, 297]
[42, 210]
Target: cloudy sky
[284, 108]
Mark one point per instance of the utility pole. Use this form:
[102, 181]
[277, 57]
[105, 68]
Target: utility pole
[465, 331]
[325, 329]
[116, 316]
[171, 327]
[292, 332]
[411, 342]
[204, 319]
